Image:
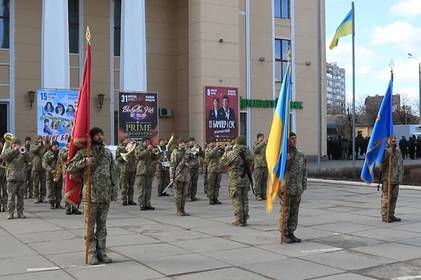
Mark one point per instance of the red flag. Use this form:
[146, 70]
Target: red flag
[80, 135]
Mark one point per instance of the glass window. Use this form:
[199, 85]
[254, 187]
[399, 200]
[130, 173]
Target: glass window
[73, 7]
[243, 124]
[282, 9]
[281, 57]
[4, 24]
[117, 26]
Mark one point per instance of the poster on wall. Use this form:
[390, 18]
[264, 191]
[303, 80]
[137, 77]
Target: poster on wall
[222, 119]
[138, 115]
[56, 110]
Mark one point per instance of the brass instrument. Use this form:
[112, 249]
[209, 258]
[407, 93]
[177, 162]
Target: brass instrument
[130, 149]
[156, 151]
[58, 170]
[8, 138]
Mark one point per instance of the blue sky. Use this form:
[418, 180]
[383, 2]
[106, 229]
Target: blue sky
[385, 30]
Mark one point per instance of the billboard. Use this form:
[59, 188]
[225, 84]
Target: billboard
[56, 110]
[138, 115]
[222, 114]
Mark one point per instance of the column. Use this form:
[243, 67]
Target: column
[133, 70]
[55, 44]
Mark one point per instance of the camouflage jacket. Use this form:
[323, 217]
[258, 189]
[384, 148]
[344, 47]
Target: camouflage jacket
[103, 178]
[194, 163]
[49, 163]
[259, 152]
[15, 165]
[214, 155]
[122, 164]
[37, 152]
[145, 161]
[297, 172]
[233, 160]
[179, 165]
[397, 167]
[62, 155]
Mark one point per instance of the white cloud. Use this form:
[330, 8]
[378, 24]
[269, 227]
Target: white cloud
[399, 33]
[406, 8]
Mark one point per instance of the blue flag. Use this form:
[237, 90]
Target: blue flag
[383, 128]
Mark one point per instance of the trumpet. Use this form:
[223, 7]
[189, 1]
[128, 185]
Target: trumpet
[156, 151]
[22, 150]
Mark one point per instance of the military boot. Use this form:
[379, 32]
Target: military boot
[179, 212]
[21, 216]
[10, 217]
[288, 239]
[131, 202]
[52, 206]
[68, 211]
[395, 219]
[76, 211]
[294, 238]
[93, 260]
[184, 212]
[217, 201]
[124, 202]
[236, 222]
[102, 257]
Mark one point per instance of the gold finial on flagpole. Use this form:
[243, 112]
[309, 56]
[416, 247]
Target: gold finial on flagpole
[88, 35]
[391, 64]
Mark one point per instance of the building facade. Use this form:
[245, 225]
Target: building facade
[335, 89]
[172, 47]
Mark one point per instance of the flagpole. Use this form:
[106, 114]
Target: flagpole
[353, 85]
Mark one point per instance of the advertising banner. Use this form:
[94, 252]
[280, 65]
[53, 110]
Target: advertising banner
[222, 114]
[138, 115]
[56, 109]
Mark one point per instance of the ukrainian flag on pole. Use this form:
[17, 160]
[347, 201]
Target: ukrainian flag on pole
[383, 128]
[277, 146]
[344, 29]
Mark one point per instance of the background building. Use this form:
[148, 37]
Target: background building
[335, 90]
[172, 47]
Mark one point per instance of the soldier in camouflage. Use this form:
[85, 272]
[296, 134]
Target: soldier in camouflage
[238, 159]
[260, 172]
[127, 172]
[15, 177]
[29, 189]
[103, 190]
[62, 155]
[162, 168]
[49, 163]
[3, 189]
[180, 175]
[205, 171]
[194, 164]
[38, 173]
[214, 153]
[394, 154]
[296, 184]
[145, 172]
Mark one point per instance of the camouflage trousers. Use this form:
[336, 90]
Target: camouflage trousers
[384, 200]
[29, 190]
[38, 179]
[213, 185]
[240, 202]
[205, 180]
[97, 231]
[15, 189]
[54, 192]
[163, 177]
[3, 191]
[194, 177]
[180, 193]
[144, 184]
[127, 179]
[260, 181]
[291, 218]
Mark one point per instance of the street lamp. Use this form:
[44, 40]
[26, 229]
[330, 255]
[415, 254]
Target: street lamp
[410, 55]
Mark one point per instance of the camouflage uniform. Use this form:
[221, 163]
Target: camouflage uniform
[260, 172]
[15, 178]
[179, 172]
[214, 154]
[194, 175]
[396, 179]
[239, 183]
[205, 173]
[49, 163]
[145, 172]
[127, 174]
[29, 189]
[38, 174]
[3, 189]
[162, 173]
[103, 190]
[297, 183]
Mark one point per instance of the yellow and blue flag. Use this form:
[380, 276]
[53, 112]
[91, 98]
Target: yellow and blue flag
[277, 146]
[383, 128]
[344, 29]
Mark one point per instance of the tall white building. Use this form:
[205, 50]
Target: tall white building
[335, 89]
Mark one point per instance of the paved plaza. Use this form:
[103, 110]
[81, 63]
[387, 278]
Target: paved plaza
[343, 239]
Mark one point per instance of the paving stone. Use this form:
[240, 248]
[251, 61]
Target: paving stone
[48, 275]
[346, 241]
[150, 251]
[244, 256]
[208, 245]
[11, 247]
[392, 271]
[395, 251]
[225, 274]
[345, 276]
[23, 264]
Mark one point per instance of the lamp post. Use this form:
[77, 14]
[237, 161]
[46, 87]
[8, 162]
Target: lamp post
[410, 55]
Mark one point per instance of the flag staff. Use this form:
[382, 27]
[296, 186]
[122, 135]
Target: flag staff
[389, 173]
[353, 85]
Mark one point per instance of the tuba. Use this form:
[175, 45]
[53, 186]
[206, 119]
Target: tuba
[130, 149]
[8, 138]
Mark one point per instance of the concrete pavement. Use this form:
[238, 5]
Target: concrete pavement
[343, 238]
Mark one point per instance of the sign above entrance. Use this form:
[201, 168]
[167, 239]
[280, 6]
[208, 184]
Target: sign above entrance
[267, 103]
